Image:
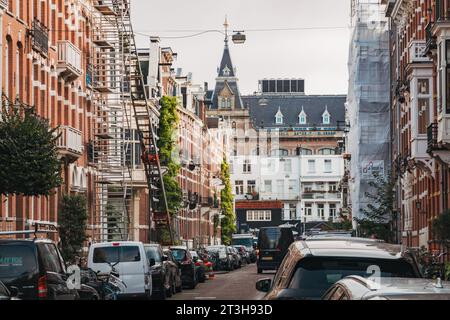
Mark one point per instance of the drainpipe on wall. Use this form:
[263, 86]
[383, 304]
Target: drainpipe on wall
[1, 53]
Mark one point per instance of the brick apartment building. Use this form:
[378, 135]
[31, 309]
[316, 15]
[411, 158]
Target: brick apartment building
[44, 52]
[420, 110]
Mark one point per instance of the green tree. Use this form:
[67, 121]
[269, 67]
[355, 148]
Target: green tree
[29, 162]
[72, 220]
[168, 124]
[441, 229]
[228, 222]
[379, 215]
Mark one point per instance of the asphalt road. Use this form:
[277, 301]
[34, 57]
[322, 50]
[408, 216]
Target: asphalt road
[235, 285]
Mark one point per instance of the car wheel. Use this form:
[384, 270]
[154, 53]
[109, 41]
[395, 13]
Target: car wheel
[202, 278]
[163, 293]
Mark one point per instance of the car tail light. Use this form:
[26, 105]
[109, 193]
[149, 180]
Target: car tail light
[257, 252]
[198, 264]
[42, 287]
[116, 244]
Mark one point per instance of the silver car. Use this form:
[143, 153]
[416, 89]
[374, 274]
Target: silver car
[359, 288]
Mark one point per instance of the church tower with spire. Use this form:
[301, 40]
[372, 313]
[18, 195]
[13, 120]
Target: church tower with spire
[225, 101]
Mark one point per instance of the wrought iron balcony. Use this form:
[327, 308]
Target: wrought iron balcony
[40, 37]
[432, 133]
[70, 142]
[69, 60]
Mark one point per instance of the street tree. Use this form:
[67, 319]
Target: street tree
[29, 164]
[72, 220]
[379, 216]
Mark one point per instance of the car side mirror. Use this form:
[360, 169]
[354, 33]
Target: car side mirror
[14, 292]
[264, 285]
[152, 262]
[165, 258]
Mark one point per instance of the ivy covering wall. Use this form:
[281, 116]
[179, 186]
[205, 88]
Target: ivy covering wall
[228, 221]
[168, 126]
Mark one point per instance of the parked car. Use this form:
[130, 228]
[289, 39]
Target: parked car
[237, 259]
[312, 267]
[161, 282]
[273, 243]
[245, 255]
[199, 266]
[34, 269]
[360, 288]
[187, 266]
[130, 260]
[6, 294]
[221, 257]
[175, 272]
[246, 240]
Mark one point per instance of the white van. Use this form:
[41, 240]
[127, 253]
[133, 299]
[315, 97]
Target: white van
[129, 260]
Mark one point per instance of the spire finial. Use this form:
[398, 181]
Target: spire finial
[226, 25]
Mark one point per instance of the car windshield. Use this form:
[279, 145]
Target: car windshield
[313, 276]
[179, 254]
[153, 253]
[248, 242]
[16, 260]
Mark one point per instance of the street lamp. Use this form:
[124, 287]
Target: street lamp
[238, 37]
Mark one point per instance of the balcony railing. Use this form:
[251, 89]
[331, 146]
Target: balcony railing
[70, 142]
[432, 133]
[69, 60]
[40, 37]
[417, 52]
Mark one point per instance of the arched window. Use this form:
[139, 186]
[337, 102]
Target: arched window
[304, 152]
[279, 152]
[327, 151]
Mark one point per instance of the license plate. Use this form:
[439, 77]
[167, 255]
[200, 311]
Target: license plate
[267, 258]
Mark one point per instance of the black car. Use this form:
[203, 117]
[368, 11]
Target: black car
[187, 266]
[273, 243]
[36, 269]
[161, 281]
[174, 270]
[199, 266]
[311, 267]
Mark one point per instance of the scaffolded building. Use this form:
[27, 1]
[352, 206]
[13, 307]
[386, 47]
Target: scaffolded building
[368, 100]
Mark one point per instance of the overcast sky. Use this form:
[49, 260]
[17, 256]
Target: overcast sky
[317, 55]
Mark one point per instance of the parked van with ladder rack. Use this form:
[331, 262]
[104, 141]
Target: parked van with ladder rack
[34, 268]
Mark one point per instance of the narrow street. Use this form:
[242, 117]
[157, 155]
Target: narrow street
[236, 285]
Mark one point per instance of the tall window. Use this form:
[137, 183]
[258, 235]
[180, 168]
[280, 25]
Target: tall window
[311, 166]
[308, 209]
[333, 211]
[292, 211]
[304, 152]
[247, 166]
[321, 210]
[251, 186]
[326, 119]
[327, 166]
[423, 105]
[333, 187]
[133, 148]
[239, 184]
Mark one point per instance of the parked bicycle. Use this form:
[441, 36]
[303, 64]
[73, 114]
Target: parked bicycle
[108, 285]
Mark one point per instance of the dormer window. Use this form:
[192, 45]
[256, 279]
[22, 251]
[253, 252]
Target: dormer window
[302, 117]
[279, 117]
[326, 117]
[226, 71]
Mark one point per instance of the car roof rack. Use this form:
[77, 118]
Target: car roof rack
[39, 228]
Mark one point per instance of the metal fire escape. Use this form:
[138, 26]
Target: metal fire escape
[119, 84]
